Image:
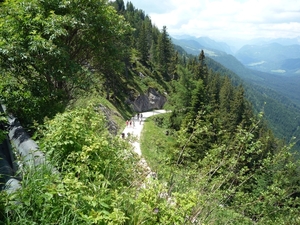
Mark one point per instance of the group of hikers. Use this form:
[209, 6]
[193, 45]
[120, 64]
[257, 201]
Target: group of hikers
[131, 122]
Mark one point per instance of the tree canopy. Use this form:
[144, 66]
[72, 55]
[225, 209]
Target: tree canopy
[50, 49]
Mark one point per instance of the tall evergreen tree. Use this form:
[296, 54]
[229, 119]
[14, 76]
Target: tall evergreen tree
[130, 7]
[142, 44]
[198, 98]
[174, 65]
[164, 53]
[201, 72]
[213, 88]
[226, 94]
[119, 5]
[238, 107]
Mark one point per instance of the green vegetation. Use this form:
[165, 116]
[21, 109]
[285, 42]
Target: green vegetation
[156, 141]
[68, 71]
[235, 182]
[281, 108]
[276, 95]
[94, 171]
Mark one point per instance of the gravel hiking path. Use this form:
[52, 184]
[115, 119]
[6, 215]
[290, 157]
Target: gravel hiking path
[135, 130]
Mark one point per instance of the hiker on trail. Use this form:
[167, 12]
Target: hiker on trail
[127, 123]
[138, 116]
[141, 115]
[130, 122]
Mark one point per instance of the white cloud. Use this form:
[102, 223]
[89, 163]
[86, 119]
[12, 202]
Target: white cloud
[225, 18]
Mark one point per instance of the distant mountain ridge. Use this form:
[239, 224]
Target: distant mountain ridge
[258, 63]
[201, 42]
[271, 57]
[231, 46]
[281, 41]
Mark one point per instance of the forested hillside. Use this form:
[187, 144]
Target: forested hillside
[67, 67]
[277, 95]
[271, 94]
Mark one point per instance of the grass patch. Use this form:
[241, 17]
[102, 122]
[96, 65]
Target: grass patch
[155, 145]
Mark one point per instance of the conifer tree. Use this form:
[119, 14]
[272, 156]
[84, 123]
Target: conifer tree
[130, 7]
[119, 5]
[174, 65]
[201, 72]
[198, 98]
[164, 53]
[237, 107]
[153, 52]
[192, 64]
[226, 94]
[142, 44]
[213, 89]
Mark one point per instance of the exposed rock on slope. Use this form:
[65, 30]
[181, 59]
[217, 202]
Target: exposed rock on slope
[111, 125]
[149, 101]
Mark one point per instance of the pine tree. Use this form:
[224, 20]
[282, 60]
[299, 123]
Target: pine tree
[237, 107]
[174, 65]
[192, 65]
[226, 93]
[119, 6]
[130, 7]
[213, 89]
[142, 44]
[198, 98]
[164, 53]
[153, 52]
[201, 72]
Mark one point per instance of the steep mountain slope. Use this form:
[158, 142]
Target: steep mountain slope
[280, 112]
[221, 46]
[190, 46]
[287, 86]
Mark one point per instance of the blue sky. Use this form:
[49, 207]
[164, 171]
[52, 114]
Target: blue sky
[225, 19]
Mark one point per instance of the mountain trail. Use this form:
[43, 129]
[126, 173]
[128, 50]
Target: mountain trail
[134, 128]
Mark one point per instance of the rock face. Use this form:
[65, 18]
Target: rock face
[149, 101]
[111, 125]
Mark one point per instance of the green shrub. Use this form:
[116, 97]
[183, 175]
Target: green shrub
[78, 142]
[95, 170]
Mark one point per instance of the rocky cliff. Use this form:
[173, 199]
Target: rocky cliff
[150, 100]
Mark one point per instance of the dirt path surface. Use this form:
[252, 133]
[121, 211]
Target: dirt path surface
[135, 128]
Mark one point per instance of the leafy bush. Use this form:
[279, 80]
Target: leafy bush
[95, 170]
[78, 142]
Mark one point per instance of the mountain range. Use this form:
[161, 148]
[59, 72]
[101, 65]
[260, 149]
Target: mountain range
[204, 42]
[278, 56]
[271, 58]
[276, 78]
